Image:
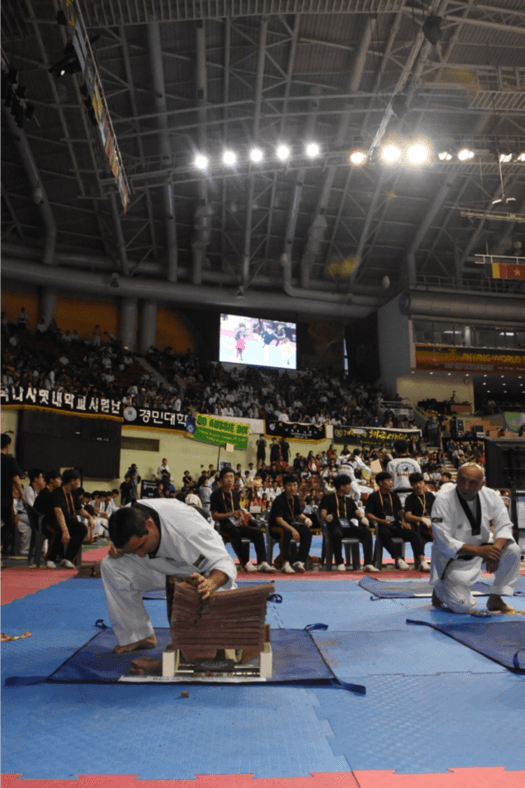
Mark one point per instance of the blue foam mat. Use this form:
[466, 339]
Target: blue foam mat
[295, 658]
[410, 589]
[501, 641]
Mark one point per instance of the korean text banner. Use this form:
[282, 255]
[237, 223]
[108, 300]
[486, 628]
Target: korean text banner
[144, 418]
[211, 429]
[295, 431]
[64, 401]
[373, 436]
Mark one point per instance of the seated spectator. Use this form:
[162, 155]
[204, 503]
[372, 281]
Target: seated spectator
[339, 512]
[418, 510]
[204, 493]
[288, 522]
[227, 512]
[66, 526]
[36, 484]
[44, 506]
[384, 509]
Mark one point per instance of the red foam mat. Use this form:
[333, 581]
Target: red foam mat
[19, 582]
[489, 777]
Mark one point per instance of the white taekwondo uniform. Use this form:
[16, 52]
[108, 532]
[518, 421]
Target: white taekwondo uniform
[187, 545]
[451, 577]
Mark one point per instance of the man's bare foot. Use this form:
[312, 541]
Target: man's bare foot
[139, 645]
[436, 601]
[496, 603]
[145, 666]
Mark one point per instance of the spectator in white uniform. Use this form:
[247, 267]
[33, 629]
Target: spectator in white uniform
[465, 519]
[151, 540]
[400, 469]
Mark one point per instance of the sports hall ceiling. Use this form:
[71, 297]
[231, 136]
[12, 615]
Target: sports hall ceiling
[183, 77]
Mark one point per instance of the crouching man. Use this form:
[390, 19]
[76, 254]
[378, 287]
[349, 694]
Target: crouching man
[463, 518]
[151, 540]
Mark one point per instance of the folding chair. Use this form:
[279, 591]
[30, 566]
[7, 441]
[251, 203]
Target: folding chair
[349, 543]
[378, 549]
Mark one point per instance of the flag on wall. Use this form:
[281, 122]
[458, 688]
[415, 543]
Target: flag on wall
[507, 271]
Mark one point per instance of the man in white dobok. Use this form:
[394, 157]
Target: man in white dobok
[471, 527]
[153, 539]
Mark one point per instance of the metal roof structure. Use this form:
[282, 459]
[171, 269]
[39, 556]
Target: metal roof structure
[166, 80]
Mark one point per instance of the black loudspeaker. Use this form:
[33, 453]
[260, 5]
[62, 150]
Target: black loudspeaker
[362, 347]
[49, 440]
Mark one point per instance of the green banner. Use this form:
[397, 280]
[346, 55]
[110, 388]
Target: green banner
[211, 429]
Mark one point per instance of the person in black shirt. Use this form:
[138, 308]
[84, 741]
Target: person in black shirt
[418, 508]
[261, 451]
[10, 479]
[126, 491]
[285, 450]
[384, 509]
[287, 522]
[337, 510]
[66, 505]
[43, 506]
[226, 511]
[275, 452]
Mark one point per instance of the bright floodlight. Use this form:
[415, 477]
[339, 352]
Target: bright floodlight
[418, 153]
[444, 155]
[465, 154]
[229, 157]
[283, 152]
[357, 158]
[505, 158]
[521, 157]
[390, 154]
[201, 162]
[256, 154]
[312, 150]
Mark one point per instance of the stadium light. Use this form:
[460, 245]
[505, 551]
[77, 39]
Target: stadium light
[201, 162]
[357, 158]
[283, 152]
[521, 157]
[465, 154]
[256, 155]
[312, 150]
[418, 153]
[444, 155]
[504, 158]
[229, 158]
[390, 154]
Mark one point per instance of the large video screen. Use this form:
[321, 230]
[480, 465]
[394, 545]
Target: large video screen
[263, 343]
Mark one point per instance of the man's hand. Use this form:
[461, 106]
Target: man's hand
[406, 525]
[238, 513]
[115, 552]
[207, 585]
[308, 522]
[295, 535]
[65, 537]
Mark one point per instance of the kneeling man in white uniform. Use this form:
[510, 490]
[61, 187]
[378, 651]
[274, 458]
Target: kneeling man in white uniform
[463, 518]
[151, 540]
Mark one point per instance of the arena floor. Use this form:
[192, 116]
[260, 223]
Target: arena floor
[436, 713]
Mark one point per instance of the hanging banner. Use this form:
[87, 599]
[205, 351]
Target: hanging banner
[295, 431]
[372, 436]
[219, 432]
[465, 359]
[145, 418]
[81, 405]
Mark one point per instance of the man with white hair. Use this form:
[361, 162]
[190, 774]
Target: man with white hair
[471, 527]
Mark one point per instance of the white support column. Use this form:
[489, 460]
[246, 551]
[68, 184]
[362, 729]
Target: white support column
[128, 322]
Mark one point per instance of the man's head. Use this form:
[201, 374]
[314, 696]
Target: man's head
[417, 482]
[400, 447]
[470, 480]
[53, 479]
[226, 478]
[343, 484]
[36, 479]
[164, 460]
[71, 477]
[6, 442]
[384, 481]
[290, 484]
[133, 531]
[446, 477]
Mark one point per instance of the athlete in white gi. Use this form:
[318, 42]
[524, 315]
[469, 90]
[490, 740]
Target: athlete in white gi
[177, 541]
[401, 468]
[457, 536]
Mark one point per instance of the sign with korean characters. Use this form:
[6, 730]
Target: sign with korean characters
[211, 429]
[64, 401]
